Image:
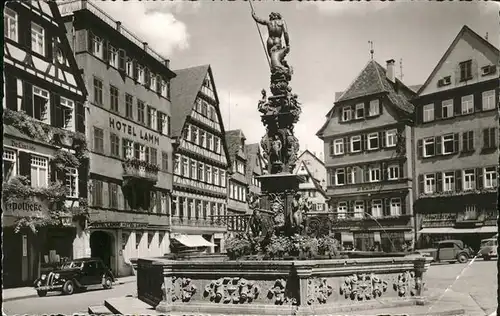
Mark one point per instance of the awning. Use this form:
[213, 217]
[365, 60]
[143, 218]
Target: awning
[347, 237]
[193, 241]
[451, 230]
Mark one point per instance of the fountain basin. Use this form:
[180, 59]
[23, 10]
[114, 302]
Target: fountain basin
[285, 287]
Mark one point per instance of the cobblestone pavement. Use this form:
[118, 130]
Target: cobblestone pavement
[477, 280]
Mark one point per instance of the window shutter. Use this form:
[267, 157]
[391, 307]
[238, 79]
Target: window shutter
[55, 106]
[25, 164]
[387, 207]
[420, 148]
[159, 116]
[420, 114]
[135, 71]
[439, 148]
[421, 183]
[367, 109]
[486, 138]
[439, 181]
[438, 110]
[90, 44]
[11, 92]
[364, 142]
[121, 59]
[169, 125]
[457, 105]
[458, 180]
[493, 136]
[80, 117]
[478, 101]
[347, 145]
[384, 170]
[27, 104]
[456, 142]
[49, 42]
[465, 141]
[479, 178]
[381, 139]
[348, 175]
[471, 140]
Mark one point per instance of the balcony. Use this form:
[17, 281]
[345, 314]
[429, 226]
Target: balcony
[195, 184]
[203, 152]
[136, 169]
[205, 120]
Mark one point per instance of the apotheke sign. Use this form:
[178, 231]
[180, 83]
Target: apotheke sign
[129, 129]
[25, 208]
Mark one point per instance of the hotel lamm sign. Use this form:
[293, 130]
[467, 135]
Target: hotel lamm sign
[131, 130]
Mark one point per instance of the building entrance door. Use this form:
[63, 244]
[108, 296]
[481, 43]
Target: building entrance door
[101, 246]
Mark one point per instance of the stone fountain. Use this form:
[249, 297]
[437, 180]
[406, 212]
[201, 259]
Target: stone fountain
[279, 287]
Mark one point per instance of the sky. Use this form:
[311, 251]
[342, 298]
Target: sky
[329, 47]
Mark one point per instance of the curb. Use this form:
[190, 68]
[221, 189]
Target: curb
[33, 295]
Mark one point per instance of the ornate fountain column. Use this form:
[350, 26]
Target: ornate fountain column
[280, 112]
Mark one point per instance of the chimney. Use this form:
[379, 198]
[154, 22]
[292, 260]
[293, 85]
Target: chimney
[118, 25]
[391, 73]
[145, 44]
[166, 62]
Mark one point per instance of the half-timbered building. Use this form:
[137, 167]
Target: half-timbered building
[237, 179]
[44, 159]
[200, 161]
[129, 132]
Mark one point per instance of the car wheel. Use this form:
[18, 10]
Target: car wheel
[41, 293]
[108, 282]
[69, 287]
[462, 258]
[486, 258]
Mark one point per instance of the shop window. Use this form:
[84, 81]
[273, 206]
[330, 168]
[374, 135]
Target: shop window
[9, 164]
[71, 181]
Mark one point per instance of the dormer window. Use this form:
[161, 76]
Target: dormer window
[374, 108]
[346, 113]
[360, 111]
[465, 70]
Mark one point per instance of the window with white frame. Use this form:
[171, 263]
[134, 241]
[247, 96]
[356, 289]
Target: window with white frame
[346, 114]
[68, 108]
[356, 143]
[194, 134]
[193, 172]
[374, 108]
[429, 148]
[208, 177]
[217, 145]
[428, 112]
[9, 164]
[447, 106]
[393, 172]
[374, 174]
[373, 141]
[41, 107]
[359, 209]
[340, 177]
[140, 74]
[448, 181]
[488, 98]
[210, 140]
[490, 177]
[391, 138]
[202, 139]
[10, 30]
[429, 183]
[447, 142]
[223, 178]
[360, 110]
[128, 149]
[113, 57]
[467, 104]
[185, 167]
[39, 171]
[37, 39]
[395, 206]
[97, 46]
[216, 176]
[377, 208]
[129, 67]
[71, 182]
[177, 162]
[341, 210]
[152, 82]
[469, 180]
[338, 146]
[201, 171]
[164, 89]
[152, 117]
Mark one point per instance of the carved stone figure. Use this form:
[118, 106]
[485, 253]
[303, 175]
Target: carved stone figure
[264, 106]
[276, 28]
[231, 290]
[276, 156]
[363, 287]
[318, 290]
[295, 220]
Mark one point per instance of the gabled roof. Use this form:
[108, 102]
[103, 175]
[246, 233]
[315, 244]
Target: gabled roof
[313, 155]
[373, 80]
[233, 141]
[315, 181]
[185, 87]
[465, 29]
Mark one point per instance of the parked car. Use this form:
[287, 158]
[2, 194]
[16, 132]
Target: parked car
[75, 274]
[448, 250]
[488, 248]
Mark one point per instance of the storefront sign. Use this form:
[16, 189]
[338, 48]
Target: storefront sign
[25, 208]
[440, 217]
[23, 145]
[131, 225]
[129, 129]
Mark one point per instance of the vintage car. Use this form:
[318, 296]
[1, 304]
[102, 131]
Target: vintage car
[448, 250]
[488, 249]
[75, 274]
